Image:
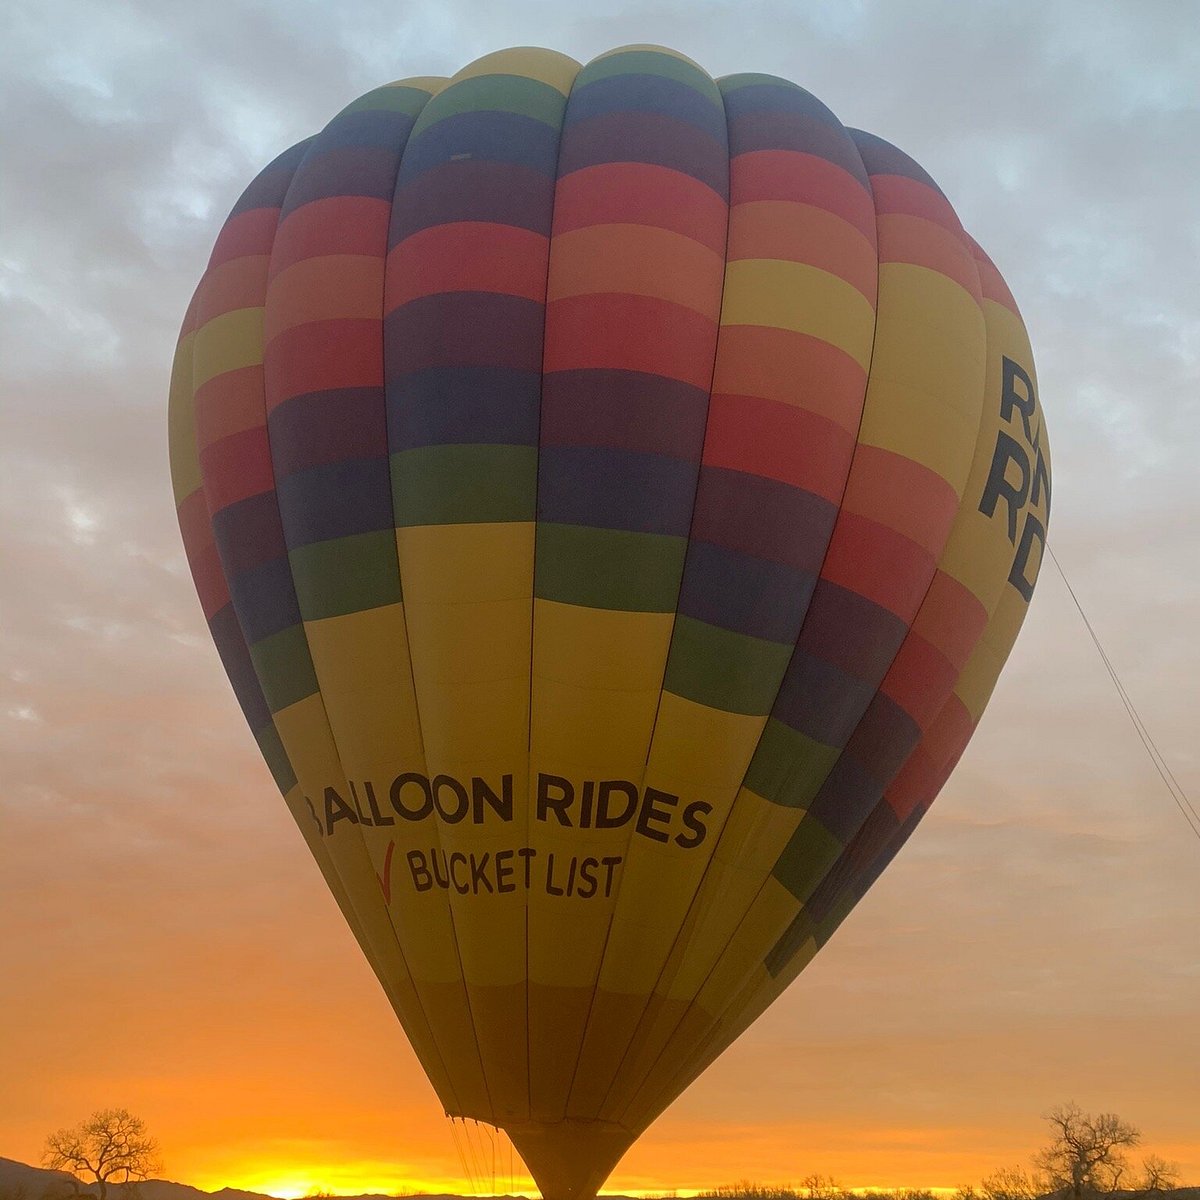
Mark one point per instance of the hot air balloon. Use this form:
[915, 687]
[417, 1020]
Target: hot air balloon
[613, 494]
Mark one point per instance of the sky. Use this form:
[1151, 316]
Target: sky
[167, 943]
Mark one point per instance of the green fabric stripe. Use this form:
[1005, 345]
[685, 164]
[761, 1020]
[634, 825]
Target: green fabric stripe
[725, 670]
[731, 83]
[346, 575]
[496, 93]
[464, 485]
[408, 100]
[835, 916]
[275, 756]
[807, 858]
[789, 944]
[608, 568]
[284, 667]
[788, 767]
[650, 62]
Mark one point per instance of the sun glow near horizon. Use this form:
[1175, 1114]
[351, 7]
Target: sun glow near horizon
[343, 1179]
[353, 1180]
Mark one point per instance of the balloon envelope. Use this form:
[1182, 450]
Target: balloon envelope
[613, 495]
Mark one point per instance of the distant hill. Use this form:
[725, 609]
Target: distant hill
[19, 1181]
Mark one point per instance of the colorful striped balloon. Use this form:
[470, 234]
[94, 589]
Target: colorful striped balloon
[613, 495]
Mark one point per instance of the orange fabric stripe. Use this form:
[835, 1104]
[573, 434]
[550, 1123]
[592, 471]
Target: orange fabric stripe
[804, 233]
[793, 368]
[903, 495]
[326, 288]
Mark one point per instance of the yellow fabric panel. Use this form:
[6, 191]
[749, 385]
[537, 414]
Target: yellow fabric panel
[700, 750]
[361, 661]
[227, 343]
[468, 592]
[304, 729]
[773, 910]
[599, 647]
[499, 1016]
[476, 642]
[401, 991]
[422, 83]
[979, 552]
[700, 755]
[468, 609]
[924, 393]
[529, 62]
[689, 1054]
[591, 730]
[477, 722]
[423, 931]
[596, 680]
[746, 852]
[181, 424]
[1007, 338]
[983, 669]
[461, 563]
[803, 298]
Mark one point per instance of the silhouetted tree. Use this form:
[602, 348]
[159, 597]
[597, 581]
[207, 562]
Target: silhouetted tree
[1012, 1183]
[1158, 1176]
[1086, 1153]
[111, 1146]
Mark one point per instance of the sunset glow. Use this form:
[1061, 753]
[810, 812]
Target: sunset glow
[168, 943]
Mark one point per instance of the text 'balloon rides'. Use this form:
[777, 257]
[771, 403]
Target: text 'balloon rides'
[613, 494]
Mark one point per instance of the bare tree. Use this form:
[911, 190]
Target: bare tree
[820, 1187]
[1085, 1155]
[1158, 1176]
[1012, 1183]
[111, 1146]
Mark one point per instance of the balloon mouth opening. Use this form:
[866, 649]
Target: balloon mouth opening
[570, 1160]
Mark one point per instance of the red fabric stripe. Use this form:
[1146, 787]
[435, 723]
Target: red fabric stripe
[908, 239]
[913, 782]
[229, 403]
[238, 283]
[189, 323]
[778, 441]
[246, 233]
[641, 194]
[804, 178]
[879, 564]
[632, 333]
[930, 764]
[336, 225]
[900, 194]
[323, 355]
[993, 283]
[920, 679]
[236, 468]
[205, 563]
[468, 256]
[903, 495]
[951, 618]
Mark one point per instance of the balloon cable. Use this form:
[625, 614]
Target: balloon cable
[1186, 808]
[462, 1158]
